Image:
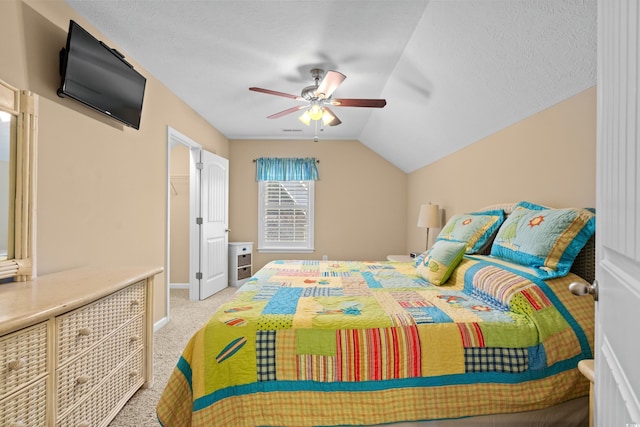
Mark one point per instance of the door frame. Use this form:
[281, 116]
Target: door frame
[173, 138]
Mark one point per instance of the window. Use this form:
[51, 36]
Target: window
[285, 216]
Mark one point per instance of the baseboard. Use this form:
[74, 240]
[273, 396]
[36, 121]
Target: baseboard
[179, 285]
[160, 323]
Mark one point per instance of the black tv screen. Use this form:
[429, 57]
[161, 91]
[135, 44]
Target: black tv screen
[99, 77]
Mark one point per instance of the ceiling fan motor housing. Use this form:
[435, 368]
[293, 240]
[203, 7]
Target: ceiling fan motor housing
[309, 92]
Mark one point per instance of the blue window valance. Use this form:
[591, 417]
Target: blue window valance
[286, 169]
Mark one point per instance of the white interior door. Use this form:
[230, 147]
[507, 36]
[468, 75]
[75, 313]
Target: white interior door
[617, 371]
[214, 200]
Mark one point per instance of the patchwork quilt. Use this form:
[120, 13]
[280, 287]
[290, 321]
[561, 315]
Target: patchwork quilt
[323, 343]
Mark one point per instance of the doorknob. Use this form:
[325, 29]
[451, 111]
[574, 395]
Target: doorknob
[228, 230]
[582, 289]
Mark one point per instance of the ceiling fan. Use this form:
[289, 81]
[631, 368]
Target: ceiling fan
[318, 98]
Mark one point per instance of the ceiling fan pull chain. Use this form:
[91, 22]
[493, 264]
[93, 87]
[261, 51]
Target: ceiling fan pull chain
[315, 138]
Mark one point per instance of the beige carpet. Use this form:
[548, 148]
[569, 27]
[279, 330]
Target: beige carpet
[186, 318]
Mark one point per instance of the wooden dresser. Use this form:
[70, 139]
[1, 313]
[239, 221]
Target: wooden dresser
[75, 346]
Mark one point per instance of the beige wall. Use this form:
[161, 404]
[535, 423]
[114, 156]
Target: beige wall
[102, 187]
[547, 158]
[360, 199]
[179, 198]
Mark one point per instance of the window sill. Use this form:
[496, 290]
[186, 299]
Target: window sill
[286, 250]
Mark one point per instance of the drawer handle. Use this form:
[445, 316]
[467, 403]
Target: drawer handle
[135, 302]
[14, 365]
[85, 332]
[82, 379]
[134, 338]
[16, 424]
[133, 373]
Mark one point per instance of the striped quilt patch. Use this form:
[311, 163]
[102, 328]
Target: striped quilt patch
[378, 354]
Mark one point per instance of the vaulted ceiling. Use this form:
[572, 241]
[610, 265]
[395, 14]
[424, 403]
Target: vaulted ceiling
[452, 71]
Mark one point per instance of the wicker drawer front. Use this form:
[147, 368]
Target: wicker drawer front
[85, 326]
[244, 273]
[26, 408]
[111, 394]
[82, 375]
[244, 260]
[23, 357]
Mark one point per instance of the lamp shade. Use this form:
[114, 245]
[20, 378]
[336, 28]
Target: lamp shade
[305, 118]
[429, 216]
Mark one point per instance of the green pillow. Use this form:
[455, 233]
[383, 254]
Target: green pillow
[440, 261]
[475, 229]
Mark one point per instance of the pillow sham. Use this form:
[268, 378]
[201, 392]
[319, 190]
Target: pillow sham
[440, 261]
[475, 229]
[545, 239]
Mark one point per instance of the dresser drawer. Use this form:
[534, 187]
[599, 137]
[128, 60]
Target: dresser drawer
[83, 374]
[111, 395]
[23, 357]
[81, 328]
[26, 408]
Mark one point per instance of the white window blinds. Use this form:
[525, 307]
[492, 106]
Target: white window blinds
[286, 216]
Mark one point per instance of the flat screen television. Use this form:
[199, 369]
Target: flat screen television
[98, 76]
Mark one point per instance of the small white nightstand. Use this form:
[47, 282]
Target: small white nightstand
[400, 258]
[239, 262]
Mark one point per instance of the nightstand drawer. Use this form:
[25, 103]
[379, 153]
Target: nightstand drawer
[244, 273]
[244, 259]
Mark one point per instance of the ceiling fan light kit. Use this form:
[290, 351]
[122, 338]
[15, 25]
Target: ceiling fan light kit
[318, 96]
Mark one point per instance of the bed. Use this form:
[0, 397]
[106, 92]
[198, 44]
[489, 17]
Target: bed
[482, 325]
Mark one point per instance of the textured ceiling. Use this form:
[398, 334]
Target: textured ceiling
[452, 71]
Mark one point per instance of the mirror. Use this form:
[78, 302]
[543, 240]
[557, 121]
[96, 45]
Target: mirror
[18, 131]
[8, 139]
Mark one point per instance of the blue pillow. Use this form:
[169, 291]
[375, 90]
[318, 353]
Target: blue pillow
[547, 240]
[475, 229]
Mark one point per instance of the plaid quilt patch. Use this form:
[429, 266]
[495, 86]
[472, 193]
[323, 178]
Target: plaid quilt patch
[266, 355]
[492, 359]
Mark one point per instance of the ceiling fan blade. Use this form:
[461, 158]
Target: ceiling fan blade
[336, 121]
[275, 92]
[287, 111]
[350, 102]
[330, 82]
